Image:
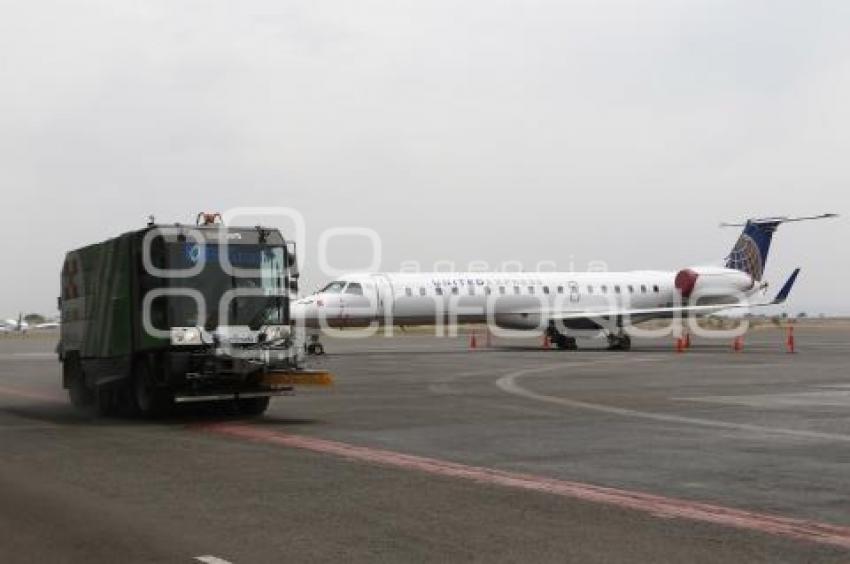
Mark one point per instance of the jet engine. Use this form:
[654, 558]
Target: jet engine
[528, 321]
[709, 283]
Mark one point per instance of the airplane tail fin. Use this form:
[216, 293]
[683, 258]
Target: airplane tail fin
[750, 251]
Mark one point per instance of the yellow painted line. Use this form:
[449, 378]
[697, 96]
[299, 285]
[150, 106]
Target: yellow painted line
[299, 378]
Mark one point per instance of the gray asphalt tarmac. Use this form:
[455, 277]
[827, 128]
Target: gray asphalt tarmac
[761, 431]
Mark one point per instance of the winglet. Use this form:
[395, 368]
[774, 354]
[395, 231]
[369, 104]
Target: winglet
[786, 289]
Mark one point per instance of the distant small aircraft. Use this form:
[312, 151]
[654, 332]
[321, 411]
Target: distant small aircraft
[15, 325]
[552, 302]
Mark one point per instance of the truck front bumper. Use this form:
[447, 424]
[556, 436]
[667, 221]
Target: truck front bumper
[272, 383]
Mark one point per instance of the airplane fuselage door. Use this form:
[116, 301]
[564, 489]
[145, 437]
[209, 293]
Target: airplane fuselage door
[575, 295]
[384, 298]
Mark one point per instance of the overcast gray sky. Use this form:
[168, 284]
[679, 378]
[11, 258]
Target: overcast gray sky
[621, 131]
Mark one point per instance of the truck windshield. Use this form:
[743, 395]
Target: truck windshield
[263, 302]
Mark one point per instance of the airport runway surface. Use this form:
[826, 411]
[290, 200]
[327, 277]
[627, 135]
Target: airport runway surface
[427, 451]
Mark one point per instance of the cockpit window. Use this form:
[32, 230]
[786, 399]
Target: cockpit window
[333, 288]
[354, 288]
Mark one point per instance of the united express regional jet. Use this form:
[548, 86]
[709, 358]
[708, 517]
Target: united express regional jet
[561, 304]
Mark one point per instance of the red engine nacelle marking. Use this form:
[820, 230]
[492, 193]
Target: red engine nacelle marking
[686, 281]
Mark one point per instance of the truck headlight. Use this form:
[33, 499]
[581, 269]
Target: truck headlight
[276, 332]
[186, 336]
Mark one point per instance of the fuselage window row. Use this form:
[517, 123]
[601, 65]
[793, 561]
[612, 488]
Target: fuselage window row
[603, 289]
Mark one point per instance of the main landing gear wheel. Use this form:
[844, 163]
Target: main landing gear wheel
[566, 343]
[619, 342]
[563, 342]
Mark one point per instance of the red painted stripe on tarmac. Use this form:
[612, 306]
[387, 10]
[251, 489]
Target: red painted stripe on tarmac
[659, 506]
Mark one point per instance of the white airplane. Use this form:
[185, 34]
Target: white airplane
[15, 325]
[561, 304]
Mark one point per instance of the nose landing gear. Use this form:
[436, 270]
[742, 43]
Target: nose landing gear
[314, 347]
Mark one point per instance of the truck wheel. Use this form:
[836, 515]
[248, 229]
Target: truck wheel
[81, 396]
[147, 399]
[253, 406]
[107, 400]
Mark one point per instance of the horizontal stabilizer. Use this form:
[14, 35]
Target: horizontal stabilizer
[778, 220]
[786, 288]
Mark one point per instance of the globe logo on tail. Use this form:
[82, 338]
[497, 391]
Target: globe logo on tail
[746, 257]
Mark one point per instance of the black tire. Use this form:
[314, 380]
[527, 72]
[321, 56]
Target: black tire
[80, 395]
[253, 406]
[623, 343]
[146, 398]
[108, 400]
[565, 343]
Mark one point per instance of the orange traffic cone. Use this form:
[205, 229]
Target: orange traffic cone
[790, 342]
[473, 342]
[738, 344]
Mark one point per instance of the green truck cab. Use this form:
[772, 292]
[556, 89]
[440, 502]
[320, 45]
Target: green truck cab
[181, 313]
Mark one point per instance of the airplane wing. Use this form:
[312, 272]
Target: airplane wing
[684, 310]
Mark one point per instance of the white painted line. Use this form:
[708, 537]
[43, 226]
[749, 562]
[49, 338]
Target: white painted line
[823, 398]
[444, 386]
[212, 560]
[508, 383]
